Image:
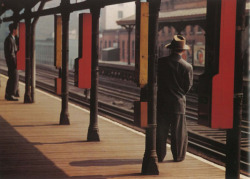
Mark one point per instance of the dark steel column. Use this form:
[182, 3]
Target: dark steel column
[234, 135]
[137, 40]
[149, 165]
[129, 39]
[33, 60]
[93, 131]
[27, 95]
[64, 117]
[129, 28]
[33, 63]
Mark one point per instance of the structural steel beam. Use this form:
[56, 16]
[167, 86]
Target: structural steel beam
[27, 95]
[234, 135]
[70, 8]
[64, 116]
[32, 53]
[129, 29]
[93, 131]
[149, 165]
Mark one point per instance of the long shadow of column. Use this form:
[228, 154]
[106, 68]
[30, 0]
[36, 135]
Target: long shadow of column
[21, 159]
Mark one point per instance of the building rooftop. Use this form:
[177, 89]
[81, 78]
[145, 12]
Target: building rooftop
[172, 16]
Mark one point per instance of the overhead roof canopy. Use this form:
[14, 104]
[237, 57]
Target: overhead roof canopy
[195, 14]
[171, 16]
[17, 5]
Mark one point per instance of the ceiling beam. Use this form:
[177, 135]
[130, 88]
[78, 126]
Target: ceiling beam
[71, 8]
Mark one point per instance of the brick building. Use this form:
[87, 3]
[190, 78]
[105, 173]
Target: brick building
[178, 11]
[118, 38]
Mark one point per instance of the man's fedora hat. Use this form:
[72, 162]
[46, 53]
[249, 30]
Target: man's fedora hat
[178, 42]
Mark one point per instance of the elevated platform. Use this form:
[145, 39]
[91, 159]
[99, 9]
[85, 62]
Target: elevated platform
[34, 145]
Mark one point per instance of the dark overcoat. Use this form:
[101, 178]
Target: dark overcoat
[175, 78]
[10, 50]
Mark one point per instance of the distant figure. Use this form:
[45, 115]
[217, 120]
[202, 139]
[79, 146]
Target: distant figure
[10, 49]
[175, 78]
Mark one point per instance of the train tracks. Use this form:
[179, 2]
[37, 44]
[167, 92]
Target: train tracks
[116, 102]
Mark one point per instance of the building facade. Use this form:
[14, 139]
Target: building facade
[110, 14]
[118, 38]
[193, 33]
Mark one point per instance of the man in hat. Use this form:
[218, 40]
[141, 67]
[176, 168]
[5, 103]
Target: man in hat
[10, 49]
[175, 78]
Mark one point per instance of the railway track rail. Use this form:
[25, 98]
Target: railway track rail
[203, 141]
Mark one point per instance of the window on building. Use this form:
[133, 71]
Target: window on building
[183, 32]
[115, 44]
[199, 30]
[163, 30]
[100, 46]
[169, 31]
[120, 14]
[133, 49]
[110, 43]
[123, 49]
[167, 5]
[191, 30]
[105, 45]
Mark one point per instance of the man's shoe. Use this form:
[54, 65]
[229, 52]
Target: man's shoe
[17, 95]
[178, 160]
[160, 160]
[10, 98]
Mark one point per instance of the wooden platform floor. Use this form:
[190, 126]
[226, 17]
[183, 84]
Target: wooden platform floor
[33, 145]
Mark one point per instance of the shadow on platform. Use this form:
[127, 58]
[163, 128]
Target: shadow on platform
[55, 143]
[106, 162]
[43, 125]
[108, 176]
[21, 159]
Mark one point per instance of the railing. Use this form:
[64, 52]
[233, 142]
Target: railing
[45, 52]
[121, 72]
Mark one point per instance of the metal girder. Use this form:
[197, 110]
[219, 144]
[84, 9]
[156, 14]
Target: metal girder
[71, 7]
[17, 6]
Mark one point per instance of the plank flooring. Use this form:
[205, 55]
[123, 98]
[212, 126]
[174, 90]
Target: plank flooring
[34, 145]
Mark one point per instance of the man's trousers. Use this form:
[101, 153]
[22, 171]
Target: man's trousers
[179, 136]
[12, 83]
